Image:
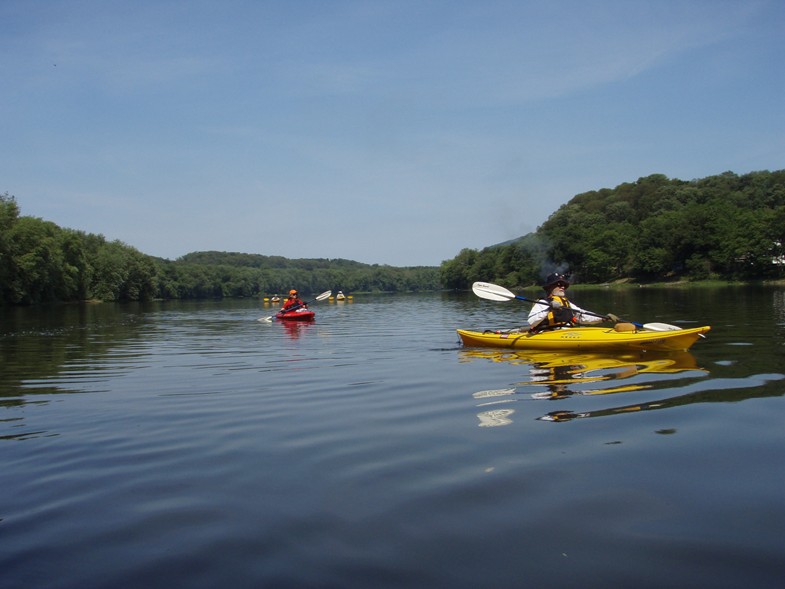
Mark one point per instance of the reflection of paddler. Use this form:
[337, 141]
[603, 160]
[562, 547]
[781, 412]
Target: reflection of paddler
[559, 373]
[598, 368]
[294, 328]
[556, 378]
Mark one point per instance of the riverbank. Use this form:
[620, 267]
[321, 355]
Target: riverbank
[626, 283]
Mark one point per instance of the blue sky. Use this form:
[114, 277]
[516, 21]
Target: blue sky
[392, 132]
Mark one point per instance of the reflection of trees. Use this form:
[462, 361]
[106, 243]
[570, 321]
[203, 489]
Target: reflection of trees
[59, 349]
[778, 303]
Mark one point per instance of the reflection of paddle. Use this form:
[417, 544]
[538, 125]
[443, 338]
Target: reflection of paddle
[321, 297]
[494, 292]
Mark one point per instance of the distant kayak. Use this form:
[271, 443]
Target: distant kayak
[296, 315]
[584, 338]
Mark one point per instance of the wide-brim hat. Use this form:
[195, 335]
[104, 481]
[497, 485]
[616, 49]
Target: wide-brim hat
[554, 279]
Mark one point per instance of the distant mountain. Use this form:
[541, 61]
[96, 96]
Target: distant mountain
[241, 260]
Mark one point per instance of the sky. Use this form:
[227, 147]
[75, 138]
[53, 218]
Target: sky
[383, 131]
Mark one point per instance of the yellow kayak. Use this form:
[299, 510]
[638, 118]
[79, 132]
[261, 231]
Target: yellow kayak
[585, 338]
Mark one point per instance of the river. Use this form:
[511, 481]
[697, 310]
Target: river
[189, 444]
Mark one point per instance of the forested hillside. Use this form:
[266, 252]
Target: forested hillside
[276, 274]
[656, 229]
[42, 262]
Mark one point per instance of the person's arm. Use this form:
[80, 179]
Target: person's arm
[538, 313]
[583, 316]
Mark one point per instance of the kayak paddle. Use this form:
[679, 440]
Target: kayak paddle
[494, 292]
[321, 297]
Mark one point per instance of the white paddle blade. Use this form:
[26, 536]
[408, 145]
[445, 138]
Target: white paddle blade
[492, 292]
[660, 327]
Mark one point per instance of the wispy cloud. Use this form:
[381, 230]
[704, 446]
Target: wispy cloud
[463, 121]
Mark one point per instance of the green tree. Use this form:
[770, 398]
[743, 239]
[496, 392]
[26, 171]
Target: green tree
[35, 268]
[9, 216]
[455, 273]
[727, 226]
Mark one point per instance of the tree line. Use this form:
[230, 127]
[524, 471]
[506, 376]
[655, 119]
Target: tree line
[726, 227]
[41, 262]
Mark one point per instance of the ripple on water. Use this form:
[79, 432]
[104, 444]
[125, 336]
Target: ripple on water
[367, 449]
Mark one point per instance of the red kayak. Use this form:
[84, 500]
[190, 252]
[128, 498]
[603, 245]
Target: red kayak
[296, 315]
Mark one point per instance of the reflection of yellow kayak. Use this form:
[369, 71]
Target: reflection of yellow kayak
[560, 375]
[585, 338]
[587, 362]
[560, 369]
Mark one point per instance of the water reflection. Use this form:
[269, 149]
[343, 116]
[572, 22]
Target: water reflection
[239, 456]
[294, 329]
[495, 417]
[711, 391]
[778, 304]
[556, 376]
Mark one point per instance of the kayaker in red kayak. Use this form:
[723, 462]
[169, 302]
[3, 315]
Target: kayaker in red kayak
[555, 310]
[293, 301]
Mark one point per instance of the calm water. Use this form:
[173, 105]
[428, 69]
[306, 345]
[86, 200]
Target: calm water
[190, 445]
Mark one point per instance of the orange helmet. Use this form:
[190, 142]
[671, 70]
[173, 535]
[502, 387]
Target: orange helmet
[292, 293]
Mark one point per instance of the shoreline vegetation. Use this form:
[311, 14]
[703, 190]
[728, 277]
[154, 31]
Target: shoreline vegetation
[532, 288]
[655, 232]
[676, 284]
[725, 228]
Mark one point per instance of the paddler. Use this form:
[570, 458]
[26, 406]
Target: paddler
[555, 311]
[293, 301]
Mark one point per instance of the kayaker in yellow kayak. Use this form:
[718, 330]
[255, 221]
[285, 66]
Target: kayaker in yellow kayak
[555, 310]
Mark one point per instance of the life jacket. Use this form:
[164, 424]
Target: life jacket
[562, 316]
[292, 303]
